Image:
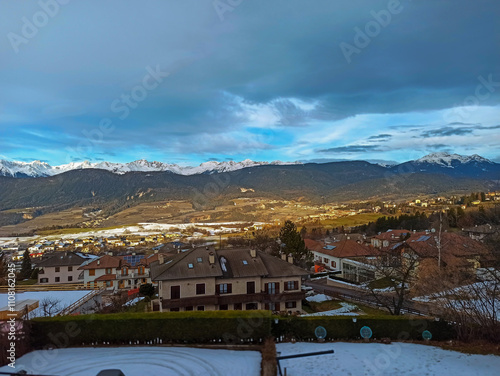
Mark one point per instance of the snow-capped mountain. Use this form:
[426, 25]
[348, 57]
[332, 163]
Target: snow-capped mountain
[451, 160]
[41, 169]
[464, 166]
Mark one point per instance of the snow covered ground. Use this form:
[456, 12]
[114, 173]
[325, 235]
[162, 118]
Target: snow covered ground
[346, 310]
[65, 298]
[318, 298]
[396, 359]
[141, 361]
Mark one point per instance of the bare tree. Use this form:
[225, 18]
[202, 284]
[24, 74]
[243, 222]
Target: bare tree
[398, 271]
[50, 306]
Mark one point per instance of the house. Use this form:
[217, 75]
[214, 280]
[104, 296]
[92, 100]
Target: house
[61, 267]
[235, 279]
[450, 249]
[118, 272]
[348, 258]
[481, 232]
[385, 239]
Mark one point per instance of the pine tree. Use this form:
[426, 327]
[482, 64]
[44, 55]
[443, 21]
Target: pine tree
[293, 244]
[26, 269]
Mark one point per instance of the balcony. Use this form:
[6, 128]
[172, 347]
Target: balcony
[132, 275]
[232, 299]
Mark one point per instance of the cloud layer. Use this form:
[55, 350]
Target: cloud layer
[188, 81]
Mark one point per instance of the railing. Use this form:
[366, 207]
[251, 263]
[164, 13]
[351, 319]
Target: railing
[132, 275]
[72, 307]
[232, 299]
[46, 287]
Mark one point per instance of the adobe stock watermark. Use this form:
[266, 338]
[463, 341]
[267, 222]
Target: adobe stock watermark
[223, 6]
[32, 25]
[462, 111]
[363, 37]
[121, 106]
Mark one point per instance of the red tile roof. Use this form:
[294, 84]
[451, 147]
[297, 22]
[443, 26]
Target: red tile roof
[343, 249]
[392, 234]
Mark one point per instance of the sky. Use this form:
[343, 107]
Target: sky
[294, 80]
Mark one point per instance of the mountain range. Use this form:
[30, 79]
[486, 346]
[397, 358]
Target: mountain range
[114, 187]
[38, 169]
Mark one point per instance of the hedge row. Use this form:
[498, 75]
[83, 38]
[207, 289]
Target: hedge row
[229, 327]
[173, 327]
[344, 328]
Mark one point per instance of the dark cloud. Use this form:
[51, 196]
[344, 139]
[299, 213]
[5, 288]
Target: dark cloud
[381, 137]
[447, 131]
[350, 149]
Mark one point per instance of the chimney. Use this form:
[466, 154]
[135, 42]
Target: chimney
[110, 253]
[253, 253]
[283, 257]
[156, 251]
[211, 258]
[161, 259]
[98, 262]
[290, 259]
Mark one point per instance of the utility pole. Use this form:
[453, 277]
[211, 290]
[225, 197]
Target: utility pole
[439, 239]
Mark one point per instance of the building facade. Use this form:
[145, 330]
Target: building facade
[237, 279]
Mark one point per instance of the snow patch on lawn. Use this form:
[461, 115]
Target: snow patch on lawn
[378, 359]
[318, 298]
[345, 310]
[140, 361]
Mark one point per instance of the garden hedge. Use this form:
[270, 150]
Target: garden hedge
[228, 327]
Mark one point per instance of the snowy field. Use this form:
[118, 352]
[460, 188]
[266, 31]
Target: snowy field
[397, 359]
[141, 361]
[64, 298]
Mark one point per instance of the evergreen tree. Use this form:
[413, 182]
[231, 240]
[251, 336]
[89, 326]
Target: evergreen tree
[3, 270]
[293, 244]
[26, 269]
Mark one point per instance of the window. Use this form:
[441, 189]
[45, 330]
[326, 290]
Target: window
[224, 288]
[200, 308]
[124, 271]
[199, 259]
[108, 271]
[109, 283]
[70, 278]
[291, 285]
[44, 280]
[245, 262]
[272, 306]
[291, 304]
[325, 260]
[175, 292]
[58, 279]
[251, 306]
[334, 264]
[174, 309]
[190, 266]
[223, 307]
[200, 288]
[272, 287]
[91, 272]
[238, 306]
[140, 270]
[189, 308]
[58, 269]
[70, 268]
[251, 287]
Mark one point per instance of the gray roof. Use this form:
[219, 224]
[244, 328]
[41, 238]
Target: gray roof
[229, 263]
[62, 259]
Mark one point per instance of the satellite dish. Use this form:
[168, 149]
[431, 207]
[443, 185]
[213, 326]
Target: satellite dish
[433, 230]
[365, 332]
[320, 332]
[426, 335]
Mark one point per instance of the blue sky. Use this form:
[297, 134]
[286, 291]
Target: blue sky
[196, 80]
